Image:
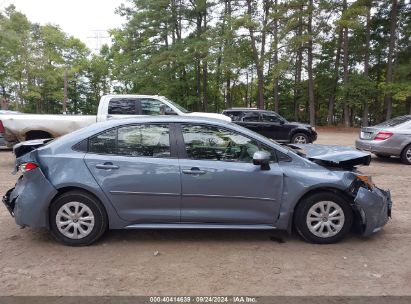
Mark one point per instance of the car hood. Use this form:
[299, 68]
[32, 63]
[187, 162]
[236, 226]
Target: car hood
[299, 124]
[333, 156]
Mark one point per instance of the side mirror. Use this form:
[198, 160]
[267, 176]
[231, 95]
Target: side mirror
[282, 122]
[261, 158]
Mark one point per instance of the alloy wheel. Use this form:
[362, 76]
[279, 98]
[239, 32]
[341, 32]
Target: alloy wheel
[300, 139]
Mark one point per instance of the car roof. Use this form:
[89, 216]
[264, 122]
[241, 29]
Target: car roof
[70, 139]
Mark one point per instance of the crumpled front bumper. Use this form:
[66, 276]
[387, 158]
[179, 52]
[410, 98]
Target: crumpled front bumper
[374, 207]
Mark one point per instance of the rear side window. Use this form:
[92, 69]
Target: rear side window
[395, 121]
[252, 117]
[122, 106]
[134, 140]
[144, 140]
[104, 143]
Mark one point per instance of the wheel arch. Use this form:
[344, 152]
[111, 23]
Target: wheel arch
[65, 189]
[37, 134]
[342, 193]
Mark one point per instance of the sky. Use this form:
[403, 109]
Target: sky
[83, 19]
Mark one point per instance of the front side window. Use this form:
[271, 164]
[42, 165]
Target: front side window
[214, 143]
[144, 140]
[104, 143]
[122, 106]
[152, 107]
[270, 118]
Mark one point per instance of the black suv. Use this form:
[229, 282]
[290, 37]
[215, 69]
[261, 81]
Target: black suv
[272, 125]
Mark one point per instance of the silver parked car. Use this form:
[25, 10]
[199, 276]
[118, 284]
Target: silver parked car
[390, 138]
[181, 172]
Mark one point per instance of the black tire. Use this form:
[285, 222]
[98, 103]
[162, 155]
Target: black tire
[296, 139]
[301, 213]
[405, 155]
[383, 156]
[98, 212]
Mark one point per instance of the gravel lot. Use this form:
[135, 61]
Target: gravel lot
[214, 262]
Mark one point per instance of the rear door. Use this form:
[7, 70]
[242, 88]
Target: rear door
[220, 184]
[137, 168]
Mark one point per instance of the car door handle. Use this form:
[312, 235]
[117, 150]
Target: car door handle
[107, 166]
[194, 171]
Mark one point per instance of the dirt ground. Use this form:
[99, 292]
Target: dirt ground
[214, 262]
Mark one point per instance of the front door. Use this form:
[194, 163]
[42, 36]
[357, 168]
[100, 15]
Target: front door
[220, 184]
[272, 126]
[135, 168]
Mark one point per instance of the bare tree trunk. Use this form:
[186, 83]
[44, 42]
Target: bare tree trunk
[299, 61]
[389, 76]
[228, 94]
[367, 60]
[275, 77]
[205, 71]
[259, 58]
[331, 100]
[311, 100]
[345, 64]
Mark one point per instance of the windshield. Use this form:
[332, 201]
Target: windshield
[177, 106]
[395, 121]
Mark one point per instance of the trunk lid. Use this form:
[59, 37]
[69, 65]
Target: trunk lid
[333, 156]
[25, 147]
[369, 133]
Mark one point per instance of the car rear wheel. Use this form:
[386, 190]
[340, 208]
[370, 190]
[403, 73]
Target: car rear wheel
[406, 155]
[77, 219]
[323, 218]
[300, 138]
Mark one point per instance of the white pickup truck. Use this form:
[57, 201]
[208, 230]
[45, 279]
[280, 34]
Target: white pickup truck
[15, 128]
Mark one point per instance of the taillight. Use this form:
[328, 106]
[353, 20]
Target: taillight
[383, 135]
[2, 128]
[28, 166]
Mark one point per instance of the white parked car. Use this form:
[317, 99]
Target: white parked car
[37, 126]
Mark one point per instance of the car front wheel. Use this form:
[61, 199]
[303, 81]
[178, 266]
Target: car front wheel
[323, 218]
[77, 219]
[300, 138]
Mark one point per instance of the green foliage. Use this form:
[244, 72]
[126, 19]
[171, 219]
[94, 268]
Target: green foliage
[200, 51]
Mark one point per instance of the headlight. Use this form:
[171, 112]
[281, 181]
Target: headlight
[313, 128]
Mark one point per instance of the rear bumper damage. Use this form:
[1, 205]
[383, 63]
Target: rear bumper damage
[374, 207]
[29, 200]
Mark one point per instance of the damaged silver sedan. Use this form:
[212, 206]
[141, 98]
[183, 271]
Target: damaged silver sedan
[191, 173]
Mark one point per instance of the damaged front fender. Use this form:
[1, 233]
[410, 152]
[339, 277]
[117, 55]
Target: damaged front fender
[374, 207]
